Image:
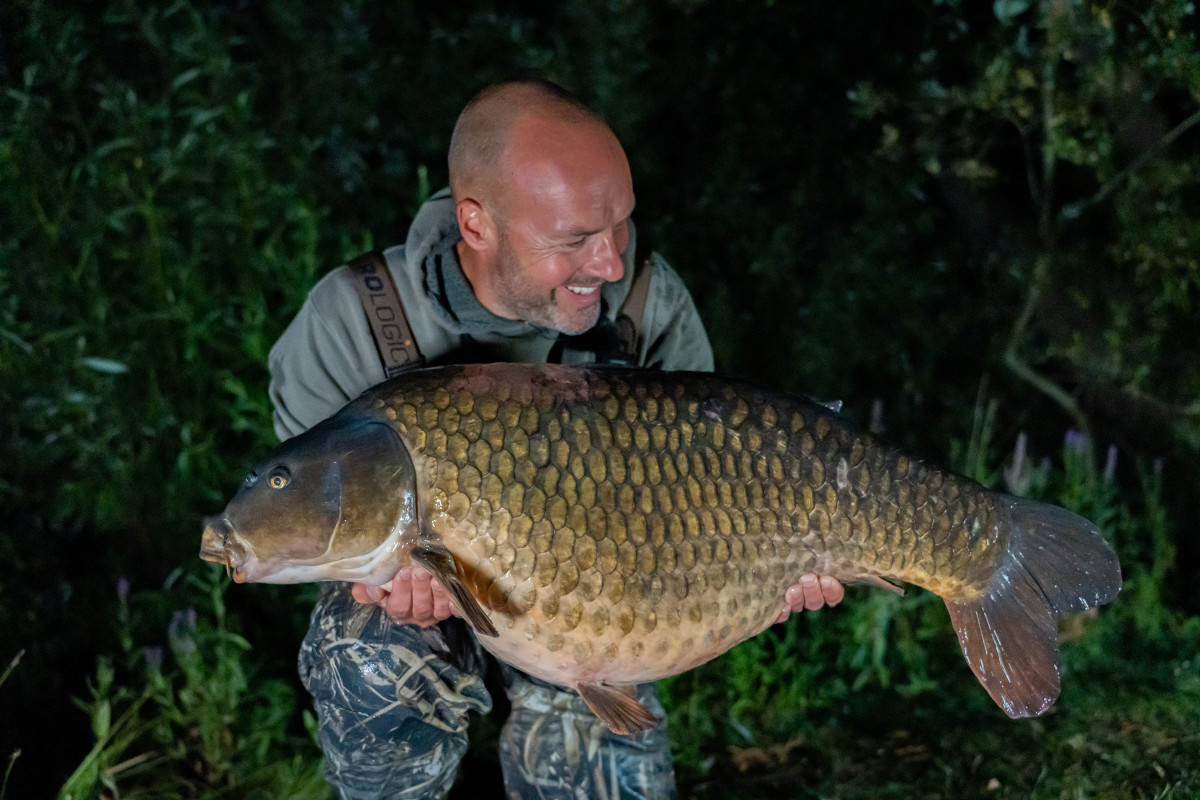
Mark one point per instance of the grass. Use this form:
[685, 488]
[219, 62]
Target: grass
[175, 176]
[196, 719]
[1123, 727]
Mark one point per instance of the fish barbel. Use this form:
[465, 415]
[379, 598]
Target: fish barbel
[602, 527]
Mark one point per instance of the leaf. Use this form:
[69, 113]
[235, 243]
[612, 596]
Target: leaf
[185, 77]
[102, 719]
[1007, 10]
[205, 116]
[106, 365]
[11, 666]
[113, 145]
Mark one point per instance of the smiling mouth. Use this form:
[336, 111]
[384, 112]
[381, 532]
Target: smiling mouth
[582, 291]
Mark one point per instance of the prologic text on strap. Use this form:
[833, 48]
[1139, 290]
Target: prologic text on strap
[381, 302]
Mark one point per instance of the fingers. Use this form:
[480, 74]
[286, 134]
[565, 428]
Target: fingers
[421, 598]
[810, 586]
[811, 592]
[819, 591]
[415, 598]
[399, 603]
[793, 600]
[832, 590]
[366, 594]
[441, 601]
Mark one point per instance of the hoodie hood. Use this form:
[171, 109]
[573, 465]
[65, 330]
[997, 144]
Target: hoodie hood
[434, 270]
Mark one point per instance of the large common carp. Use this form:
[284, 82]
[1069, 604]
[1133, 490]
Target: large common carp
[601, 527]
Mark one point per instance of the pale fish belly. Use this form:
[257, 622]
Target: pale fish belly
[589, 621]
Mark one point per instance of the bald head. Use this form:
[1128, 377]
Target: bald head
[543, 195]
[481, 142]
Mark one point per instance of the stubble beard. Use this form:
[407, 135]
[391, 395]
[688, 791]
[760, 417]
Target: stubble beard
[536, 306]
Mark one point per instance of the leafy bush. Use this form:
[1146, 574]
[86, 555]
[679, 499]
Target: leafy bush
[198, 722]
[977, 213]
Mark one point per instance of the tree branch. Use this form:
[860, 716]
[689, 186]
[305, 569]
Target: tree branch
[1017, 363]
[1075, 209]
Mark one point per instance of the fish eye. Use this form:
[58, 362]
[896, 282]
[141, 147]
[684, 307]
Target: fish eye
[279, 478]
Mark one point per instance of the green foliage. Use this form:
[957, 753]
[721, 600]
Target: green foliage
[132, 189]
[979, 214]
[199, 723]
[157, 238]
[1062, 147]
[12, 760]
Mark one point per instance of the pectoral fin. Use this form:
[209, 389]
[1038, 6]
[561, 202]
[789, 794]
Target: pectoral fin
[878, 582]
[441, 564]
[617, 707]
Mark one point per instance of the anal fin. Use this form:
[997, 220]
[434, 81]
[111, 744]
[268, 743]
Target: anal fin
[617, 707]
[441, 564]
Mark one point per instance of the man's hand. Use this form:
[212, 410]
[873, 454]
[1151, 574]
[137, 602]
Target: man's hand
[812, 592]
[415, 598]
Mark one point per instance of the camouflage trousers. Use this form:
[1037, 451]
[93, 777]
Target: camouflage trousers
[392, 703]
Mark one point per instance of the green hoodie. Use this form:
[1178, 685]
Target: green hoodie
[327, 355]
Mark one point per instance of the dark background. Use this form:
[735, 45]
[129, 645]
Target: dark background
[979, 217]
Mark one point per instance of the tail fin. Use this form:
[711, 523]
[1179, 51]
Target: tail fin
[1057, 562]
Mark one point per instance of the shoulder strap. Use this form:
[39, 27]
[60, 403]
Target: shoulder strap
[631, 316]
[381, 302]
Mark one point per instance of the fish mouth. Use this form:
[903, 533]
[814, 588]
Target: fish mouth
[218, 545]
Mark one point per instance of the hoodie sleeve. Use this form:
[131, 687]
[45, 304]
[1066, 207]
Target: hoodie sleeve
[324, 359]
[673, 335]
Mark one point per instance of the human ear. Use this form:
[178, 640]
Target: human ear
[476, 224]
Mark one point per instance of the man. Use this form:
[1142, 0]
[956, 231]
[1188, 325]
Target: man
[527, 258]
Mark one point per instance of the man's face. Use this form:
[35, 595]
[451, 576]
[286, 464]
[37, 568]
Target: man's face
[563, 228]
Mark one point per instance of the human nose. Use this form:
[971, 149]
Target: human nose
[606, 262]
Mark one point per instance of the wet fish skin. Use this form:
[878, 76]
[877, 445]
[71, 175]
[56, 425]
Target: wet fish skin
[323, 506]
[617, 526]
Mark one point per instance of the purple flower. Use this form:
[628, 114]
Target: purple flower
[122, 589]
[1075, 441]
[1016, 475]
[1110, 464]
[153, 656]
[180, 631]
